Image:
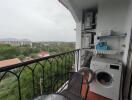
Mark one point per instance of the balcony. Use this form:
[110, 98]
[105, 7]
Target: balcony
[27, 80]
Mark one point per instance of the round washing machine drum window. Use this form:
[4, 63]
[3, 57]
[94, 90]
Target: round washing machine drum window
[104, 78]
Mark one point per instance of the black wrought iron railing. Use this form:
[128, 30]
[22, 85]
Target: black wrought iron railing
[30, 79]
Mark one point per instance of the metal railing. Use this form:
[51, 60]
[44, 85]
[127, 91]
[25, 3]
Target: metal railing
[27, 80]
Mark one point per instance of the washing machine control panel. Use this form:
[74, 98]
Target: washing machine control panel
[116, 67]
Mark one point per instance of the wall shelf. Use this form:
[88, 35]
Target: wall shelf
[112, 36]
[105, 52]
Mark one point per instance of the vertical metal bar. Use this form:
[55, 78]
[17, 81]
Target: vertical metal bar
[19, 87]
[67, 71]
[18, 78]
[78, 51]
[2, 76]
[130, 89]
[61, 68]
[33, 80]
[33, 83]
[70, 61]
[51, 82]
[32, 70]
[43, 79]
[69, 65]
[57, 73]
[74, 58]
[51, 79]
[42, 76]
[65, 66]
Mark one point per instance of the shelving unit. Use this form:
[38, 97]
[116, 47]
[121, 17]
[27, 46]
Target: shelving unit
[107, 37]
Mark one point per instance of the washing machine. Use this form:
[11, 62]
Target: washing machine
[108, 76]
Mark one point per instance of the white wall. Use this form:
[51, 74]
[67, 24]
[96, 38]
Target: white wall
[129, 67]
[112, 15]
[128, 30]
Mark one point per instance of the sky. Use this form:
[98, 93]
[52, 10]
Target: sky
[36, 20]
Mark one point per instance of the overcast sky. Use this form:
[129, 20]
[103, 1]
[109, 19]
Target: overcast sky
[37, 20]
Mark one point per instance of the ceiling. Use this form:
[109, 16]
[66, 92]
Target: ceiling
[83, 4]
[77, 6]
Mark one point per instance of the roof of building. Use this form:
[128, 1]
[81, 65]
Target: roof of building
[43, 53]
[9, 62]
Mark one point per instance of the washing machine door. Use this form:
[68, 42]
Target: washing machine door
[104, 78]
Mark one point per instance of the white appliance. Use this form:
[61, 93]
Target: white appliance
[108, 75]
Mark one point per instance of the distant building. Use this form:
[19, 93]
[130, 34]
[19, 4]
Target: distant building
[8, 62]
[43, 54]
[15, 42]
